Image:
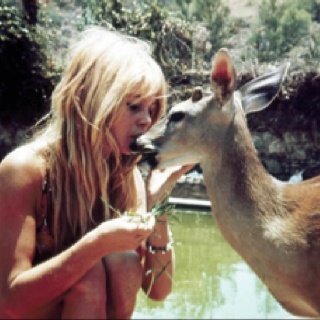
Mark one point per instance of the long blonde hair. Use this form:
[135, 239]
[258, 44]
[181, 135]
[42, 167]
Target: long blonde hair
[104, 68]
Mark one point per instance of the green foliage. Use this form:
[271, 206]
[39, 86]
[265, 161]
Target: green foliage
[280, 28]
[313, 49]
[171, 33]
[184, 6]
[311, 6]
[215, 15]
[294, 24]
[175, 46]
[25, 77]
[146, 20]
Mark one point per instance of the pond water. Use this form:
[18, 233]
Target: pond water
[211, 280]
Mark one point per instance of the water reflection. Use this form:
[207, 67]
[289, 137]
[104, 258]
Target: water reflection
[211, 280]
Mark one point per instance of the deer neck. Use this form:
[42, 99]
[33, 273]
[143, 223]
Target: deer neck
[238, 184]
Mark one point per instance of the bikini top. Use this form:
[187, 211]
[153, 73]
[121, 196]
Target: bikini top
[44, 238]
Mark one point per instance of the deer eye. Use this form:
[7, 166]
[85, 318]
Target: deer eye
[177, 116]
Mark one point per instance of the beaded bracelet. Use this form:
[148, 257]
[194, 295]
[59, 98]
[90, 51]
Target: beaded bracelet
[154, 249]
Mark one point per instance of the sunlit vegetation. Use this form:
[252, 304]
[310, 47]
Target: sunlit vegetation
[184, 34]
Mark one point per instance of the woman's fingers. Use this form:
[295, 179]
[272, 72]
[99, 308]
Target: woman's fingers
[144, 223]
[161, 182]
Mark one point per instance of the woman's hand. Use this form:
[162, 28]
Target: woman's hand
[159, 183]
[127, 232]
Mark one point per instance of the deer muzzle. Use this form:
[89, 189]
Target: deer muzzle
[146, 149]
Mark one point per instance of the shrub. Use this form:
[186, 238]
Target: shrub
[215, 16]
[145, 20]
[311, 6]
[280, 28]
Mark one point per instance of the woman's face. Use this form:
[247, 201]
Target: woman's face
[135, 118]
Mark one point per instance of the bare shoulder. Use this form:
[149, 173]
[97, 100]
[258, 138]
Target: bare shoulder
[24, 157]
[21, 175]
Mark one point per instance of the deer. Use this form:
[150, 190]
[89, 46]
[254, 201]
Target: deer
[273, 225]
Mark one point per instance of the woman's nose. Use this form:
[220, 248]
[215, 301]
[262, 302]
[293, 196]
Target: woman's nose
[145, 119]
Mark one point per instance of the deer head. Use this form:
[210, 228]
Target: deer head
[198, 126]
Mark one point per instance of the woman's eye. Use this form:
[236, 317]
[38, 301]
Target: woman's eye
[134, 107]
[138, 107]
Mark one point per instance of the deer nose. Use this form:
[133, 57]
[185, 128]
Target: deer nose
[134, 147]
[142, 145]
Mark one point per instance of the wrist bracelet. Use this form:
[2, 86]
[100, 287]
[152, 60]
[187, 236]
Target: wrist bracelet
[154, 249]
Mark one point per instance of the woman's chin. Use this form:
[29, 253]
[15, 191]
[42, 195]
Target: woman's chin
[125, 151]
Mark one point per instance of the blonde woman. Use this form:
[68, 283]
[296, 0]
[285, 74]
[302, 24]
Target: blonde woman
[66, 252]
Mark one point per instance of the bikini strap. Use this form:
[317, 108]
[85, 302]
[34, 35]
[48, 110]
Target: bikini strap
[43, 214]
[44, 238]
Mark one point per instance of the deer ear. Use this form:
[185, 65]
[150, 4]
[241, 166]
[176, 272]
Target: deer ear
[261, 91]
[197, 94]
[223, 76]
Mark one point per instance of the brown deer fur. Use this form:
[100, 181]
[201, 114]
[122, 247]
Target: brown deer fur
[273, 225]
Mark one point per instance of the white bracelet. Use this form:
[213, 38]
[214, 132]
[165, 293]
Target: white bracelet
[154, 249]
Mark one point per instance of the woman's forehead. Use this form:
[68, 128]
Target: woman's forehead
[142, 98]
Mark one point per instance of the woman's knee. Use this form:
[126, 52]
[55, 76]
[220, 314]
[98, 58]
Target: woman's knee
[91, 287]
[124, 278]
[124, 267]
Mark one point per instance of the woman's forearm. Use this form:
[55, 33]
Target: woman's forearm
[37, 286]
[47, 281]
[159, 262]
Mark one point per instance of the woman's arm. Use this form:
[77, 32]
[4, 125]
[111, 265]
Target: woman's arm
[159, 256]
[24, 288]
[159, 261]
[159, 183]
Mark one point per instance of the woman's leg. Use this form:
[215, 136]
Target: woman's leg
[108, 290]
[50, 311]
[124, 278]
[87, 298]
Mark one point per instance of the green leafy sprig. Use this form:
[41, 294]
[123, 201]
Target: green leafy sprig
[159, 209]
[162, 207]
